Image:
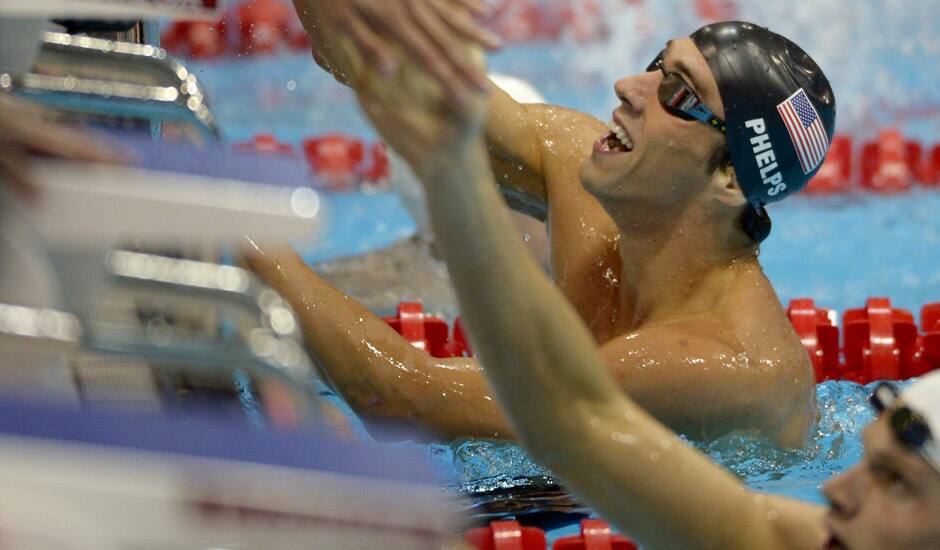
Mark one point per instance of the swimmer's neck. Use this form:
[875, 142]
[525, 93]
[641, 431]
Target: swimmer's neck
[681, 265]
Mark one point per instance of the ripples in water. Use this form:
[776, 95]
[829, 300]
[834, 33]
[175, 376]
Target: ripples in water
[499, 478]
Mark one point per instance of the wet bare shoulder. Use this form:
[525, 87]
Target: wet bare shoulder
[699, 378]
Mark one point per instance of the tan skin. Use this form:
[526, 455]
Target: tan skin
[658, 270]
[550, 377]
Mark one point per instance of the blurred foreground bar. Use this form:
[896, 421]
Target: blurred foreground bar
[97, 479]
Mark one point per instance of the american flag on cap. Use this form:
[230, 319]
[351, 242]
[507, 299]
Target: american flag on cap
[806, 130]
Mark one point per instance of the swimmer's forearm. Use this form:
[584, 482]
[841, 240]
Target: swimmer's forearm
[334, 325]
[372, 367]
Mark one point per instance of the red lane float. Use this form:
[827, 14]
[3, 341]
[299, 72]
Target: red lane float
[457, 346]
[343, 163]
[929, 353]
[266, 143]
[879, 342]
[197, 39]
[257, 27]
[340, 162]
[835, 174]
[886, 163]
[928, 171]
[425, 332]
[429, 333]
[595, 535]
[506, 535]
[510, 535]
[263, 25]
[817, 330]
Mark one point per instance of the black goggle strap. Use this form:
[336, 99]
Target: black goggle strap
[908, 426]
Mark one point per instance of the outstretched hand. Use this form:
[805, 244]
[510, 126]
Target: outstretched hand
[432, 34]
[23, 131]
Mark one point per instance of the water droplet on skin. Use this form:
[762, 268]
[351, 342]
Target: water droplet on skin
[526, 237]
[772, 515]
[654, 456]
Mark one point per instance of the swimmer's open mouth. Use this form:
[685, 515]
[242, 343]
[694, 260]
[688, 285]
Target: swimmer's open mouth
[615, 141]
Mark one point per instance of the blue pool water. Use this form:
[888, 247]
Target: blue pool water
[837, 250]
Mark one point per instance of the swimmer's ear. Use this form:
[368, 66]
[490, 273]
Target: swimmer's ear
[725, 183]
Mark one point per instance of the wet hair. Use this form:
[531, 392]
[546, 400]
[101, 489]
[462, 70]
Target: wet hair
[755, 223]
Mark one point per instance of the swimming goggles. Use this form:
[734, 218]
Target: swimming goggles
[909, 427]
[677, 97]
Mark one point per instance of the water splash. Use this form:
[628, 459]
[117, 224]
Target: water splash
[480, 468]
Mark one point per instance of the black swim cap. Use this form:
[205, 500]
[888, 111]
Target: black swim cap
[779, 108]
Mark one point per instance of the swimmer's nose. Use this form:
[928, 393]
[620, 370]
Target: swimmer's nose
[843, 491]
[633, 91]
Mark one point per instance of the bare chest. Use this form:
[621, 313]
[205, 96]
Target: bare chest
[589, 276]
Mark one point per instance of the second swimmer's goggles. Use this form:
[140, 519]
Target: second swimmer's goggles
[677, 97]
[910, 429]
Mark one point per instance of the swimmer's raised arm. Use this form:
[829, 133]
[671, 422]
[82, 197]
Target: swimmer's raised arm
[516, 133]
[529, 142]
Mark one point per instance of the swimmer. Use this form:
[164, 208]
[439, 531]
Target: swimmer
[566, 407]
[655, 227]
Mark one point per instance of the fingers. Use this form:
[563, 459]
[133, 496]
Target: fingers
[476, 7]
[70, 144]
[35, 135]
[373, 50]
[466, 27]
[447, 56]
[431, 32]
